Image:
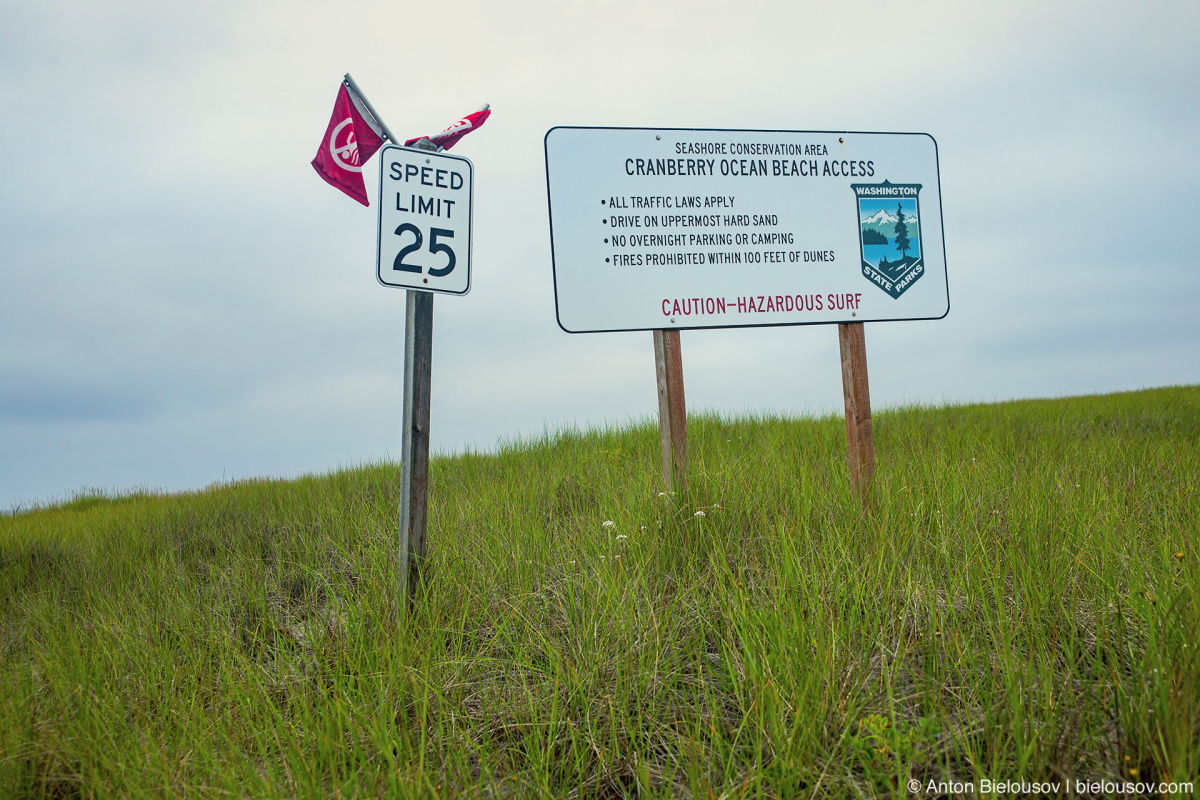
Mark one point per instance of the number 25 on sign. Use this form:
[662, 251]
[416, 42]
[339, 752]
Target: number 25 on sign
[424, 220]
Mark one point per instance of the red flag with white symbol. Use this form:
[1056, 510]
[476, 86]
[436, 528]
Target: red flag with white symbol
[351, 138]
[451, 135]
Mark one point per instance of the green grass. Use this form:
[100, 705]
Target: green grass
[1021, 602]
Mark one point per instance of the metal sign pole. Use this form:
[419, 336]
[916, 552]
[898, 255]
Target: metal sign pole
[414, 463]
[370, 108]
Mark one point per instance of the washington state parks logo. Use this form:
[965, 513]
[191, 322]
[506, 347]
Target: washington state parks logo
[889, 234]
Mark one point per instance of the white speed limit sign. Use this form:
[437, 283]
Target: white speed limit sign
[424, 220]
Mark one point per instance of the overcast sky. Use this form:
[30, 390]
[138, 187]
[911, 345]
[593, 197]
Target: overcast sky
[183, 300]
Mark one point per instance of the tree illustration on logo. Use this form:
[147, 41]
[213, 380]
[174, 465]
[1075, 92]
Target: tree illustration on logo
[902, 242]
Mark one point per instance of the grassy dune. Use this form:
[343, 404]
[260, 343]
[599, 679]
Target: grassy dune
[1021, 602]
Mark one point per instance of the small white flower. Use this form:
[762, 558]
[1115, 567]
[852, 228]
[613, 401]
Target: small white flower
[662, 494]
[572, 561]
[699, 514]
[608, 523]
[643, 527]
[717, 505]
[601, 558]
[621, 536]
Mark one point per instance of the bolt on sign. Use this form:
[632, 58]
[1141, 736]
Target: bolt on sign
[424, 220]
[654, 229]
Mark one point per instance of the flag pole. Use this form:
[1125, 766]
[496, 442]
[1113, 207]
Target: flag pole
[352, 86]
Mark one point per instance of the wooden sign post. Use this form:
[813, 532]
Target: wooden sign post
[672, 410]
[860, 454]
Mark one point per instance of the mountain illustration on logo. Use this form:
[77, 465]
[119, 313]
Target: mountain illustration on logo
[889, 234]
[884, 224]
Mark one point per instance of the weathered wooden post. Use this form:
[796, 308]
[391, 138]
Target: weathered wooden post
[860, 453]
[672, 410]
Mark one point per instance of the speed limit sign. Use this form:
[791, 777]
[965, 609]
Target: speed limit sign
[424, 220]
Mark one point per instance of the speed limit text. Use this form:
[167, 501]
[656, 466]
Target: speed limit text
[426, 176]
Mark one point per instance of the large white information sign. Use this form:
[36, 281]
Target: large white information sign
[681, 228]
[424, 220]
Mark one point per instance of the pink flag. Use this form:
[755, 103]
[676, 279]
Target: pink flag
[351, 138]
[451, 135]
